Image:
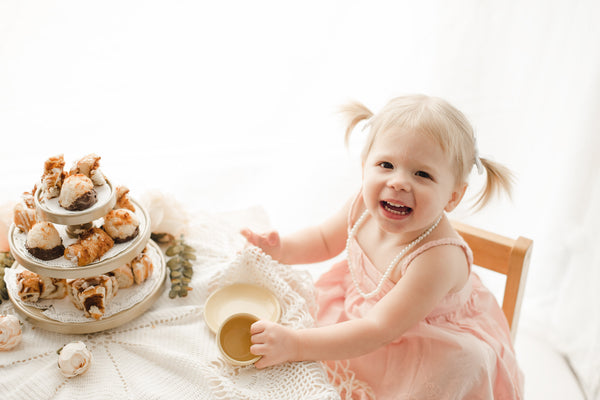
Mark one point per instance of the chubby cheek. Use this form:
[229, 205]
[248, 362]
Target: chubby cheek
[428, 203]
[370, 194]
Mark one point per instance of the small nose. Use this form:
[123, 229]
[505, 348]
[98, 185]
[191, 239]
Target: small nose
[399, 181]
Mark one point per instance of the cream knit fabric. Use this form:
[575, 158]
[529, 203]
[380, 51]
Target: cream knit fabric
[169, 352]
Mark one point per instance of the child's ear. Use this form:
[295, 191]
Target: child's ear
[456, 197]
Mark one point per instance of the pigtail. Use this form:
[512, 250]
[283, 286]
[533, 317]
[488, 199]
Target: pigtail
[353, 113]
[498, 178]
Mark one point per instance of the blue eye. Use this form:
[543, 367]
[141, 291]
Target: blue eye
[423, 174]
[386, 165]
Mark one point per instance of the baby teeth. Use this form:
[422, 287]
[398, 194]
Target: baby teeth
[397, 212]
[388, 206]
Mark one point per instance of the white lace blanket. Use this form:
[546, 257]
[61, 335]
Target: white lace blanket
[169, 352]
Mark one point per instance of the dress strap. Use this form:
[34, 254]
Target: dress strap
[440, 242]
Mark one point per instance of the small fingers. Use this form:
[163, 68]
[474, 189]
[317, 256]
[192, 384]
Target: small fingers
[257, 338]
[261, 363]
[249, 235]
[260, 239]
[257, 327]
[272, 238]
[258, 349]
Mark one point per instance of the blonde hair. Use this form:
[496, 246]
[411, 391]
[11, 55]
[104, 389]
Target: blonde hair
[438, 119]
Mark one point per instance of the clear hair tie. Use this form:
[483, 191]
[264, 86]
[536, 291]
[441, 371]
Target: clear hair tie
[478, 162]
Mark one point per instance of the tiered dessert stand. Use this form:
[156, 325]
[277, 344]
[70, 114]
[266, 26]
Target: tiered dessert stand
[69, 223]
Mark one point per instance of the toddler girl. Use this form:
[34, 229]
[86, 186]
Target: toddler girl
[404, 311]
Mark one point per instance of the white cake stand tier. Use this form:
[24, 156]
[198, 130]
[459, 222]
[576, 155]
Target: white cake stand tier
[67, 224]
[77, 221]
[152, 290]
[117, 256]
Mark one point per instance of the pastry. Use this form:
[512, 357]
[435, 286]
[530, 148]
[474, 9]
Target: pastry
[44, 242]
[29, 286]
[24, 217]
[53, 288]
[121, 225]
[52, 177]
[93, 294]
[28, 199]
[24, 213]
[90, 167]
[142, 268]
[123, 275]
[123, 199]
[91, 246]
[33, 287]
[77, 193]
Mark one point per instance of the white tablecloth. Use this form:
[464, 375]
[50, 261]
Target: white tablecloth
[169, 352]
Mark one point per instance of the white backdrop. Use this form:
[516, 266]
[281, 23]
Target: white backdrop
[231, 104]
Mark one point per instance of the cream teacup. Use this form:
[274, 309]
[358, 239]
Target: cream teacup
[233, 338]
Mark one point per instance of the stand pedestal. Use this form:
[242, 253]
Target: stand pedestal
[75, 230]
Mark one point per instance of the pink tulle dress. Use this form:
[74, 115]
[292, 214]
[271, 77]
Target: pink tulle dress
[461, 350]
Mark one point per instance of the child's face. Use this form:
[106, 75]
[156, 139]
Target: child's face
[408, 180]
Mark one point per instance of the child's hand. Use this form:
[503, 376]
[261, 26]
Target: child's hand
[275, 343]
[269, 242]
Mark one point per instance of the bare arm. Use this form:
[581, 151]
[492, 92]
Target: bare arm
[426, 282]
[312, 244]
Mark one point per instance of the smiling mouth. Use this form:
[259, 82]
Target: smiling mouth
[397, 209]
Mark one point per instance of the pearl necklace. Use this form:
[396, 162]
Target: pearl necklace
[394, 262]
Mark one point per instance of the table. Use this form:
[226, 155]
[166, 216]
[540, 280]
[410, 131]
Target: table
[169, 352]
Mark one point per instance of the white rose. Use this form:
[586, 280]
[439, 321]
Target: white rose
[166, 214]
[74, 359]
[10, 332]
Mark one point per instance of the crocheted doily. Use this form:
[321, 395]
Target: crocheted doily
[295, 291]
